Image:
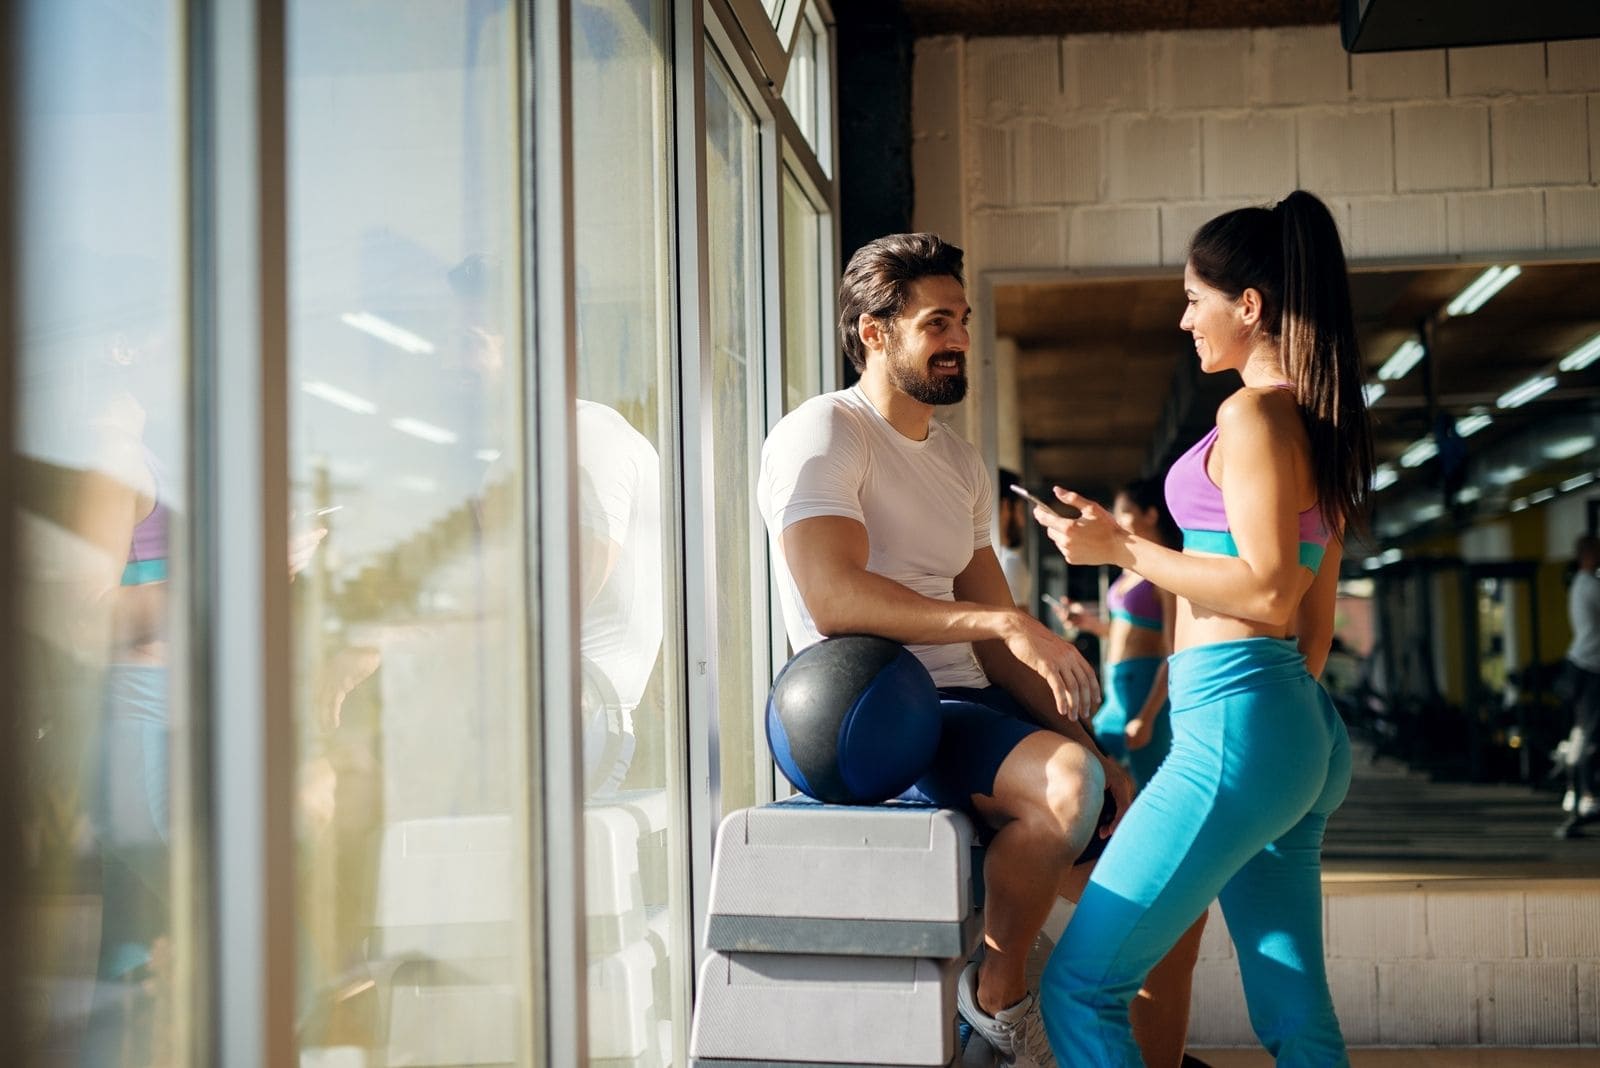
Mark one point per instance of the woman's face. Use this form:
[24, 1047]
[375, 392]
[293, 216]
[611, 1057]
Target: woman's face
[1217, 322]
[1132, 518]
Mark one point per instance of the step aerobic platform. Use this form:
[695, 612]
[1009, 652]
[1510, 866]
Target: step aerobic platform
[772, 1009]
[798, 876]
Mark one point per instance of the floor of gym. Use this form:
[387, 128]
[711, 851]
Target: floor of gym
[1422, 1058]
[1397, 825]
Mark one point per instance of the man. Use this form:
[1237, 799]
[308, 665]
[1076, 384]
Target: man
[1583, 683]
[1008, 547]
[879, 520]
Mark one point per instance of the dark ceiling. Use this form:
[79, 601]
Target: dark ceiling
[987, 18]
[1099, 360]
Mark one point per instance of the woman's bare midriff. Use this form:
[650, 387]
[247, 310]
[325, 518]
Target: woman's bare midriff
[1200, 626]
[1124, 641]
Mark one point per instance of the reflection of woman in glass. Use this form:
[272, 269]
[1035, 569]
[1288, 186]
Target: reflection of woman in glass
[124, 510]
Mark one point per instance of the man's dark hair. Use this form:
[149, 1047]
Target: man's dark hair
[878, 277]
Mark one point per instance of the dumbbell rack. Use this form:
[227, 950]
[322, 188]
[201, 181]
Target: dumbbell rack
[836, 936]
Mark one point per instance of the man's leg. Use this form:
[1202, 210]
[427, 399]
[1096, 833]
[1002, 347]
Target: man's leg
[1045, 804]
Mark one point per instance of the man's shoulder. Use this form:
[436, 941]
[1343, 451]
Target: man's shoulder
[827, 412]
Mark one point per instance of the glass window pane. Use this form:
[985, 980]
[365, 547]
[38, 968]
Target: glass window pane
[103, 458]
[634, 730]
[734, 223]
[407, 480]
[800, 84]
[803, 349]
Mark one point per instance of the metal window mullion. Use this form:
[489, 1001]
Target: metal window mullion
[239, 604]
[697, 446]
[551, 397]
[12, 884]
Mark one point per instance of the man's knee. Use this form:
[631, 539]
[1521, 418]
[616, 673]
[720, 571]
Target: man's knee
[1074, 790]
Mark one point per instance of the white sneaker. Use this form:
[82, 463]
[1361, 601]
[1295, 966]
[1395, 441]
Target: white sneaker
[1569, 801]
[1017, 1034]
[1587, 806]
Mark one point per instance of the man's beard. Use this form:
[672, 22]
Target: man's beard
[922, 384]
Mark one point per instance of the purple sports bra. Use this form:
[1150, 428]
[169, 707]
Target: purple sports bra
[1138, 604]
[1196, 505]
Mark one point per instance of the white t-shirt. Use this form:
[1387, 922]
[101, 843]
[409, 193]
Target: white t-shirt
[619, 507]
[1018, 577]
[925, 505]
[1583, 610]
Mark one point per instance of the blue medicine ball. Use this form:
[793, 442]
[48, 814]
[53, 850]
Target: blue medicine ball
[853, 720]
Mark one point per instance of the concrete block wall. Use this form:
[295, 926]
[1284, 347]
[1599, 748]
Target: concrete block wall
[1436, 964]
[1105, 151]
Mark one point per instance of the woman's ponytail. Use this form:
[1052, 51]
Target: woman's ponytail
[1323, 359]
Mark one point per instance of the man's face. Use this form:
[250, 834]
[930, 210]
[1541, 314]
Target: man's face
[927, 349]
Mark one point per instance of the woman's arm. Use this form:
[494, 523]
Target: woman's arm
[1141, 727]
[1263, 480]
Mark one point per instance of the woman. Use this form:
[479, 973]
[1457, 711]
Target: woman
[1132, 724]
[1259, 757]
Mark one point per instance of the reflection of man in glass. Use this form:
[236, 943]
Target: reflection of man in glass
[619, 515]
[1583, 683]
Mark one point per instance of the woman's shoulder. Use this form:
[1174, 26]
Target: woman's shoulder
[1258, 409]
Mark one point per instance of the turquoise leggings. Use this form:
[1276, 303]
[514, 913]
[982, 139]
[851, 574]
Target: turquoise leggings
[1128, 683]
[1236, 812]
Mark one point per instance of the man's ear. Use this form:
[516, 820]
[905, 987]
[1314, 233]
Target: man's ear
[871, 331]
[1250, 307]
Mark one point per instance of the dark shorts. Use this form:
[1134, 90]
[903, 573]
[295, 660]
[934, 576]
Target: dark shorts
[980, 729]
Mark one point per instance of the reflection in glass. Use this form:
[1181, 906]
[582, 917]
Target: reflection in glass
[102, 465]
[800, 83]
[633, 720]
[412, 703]
[802, 296]
[733, 217]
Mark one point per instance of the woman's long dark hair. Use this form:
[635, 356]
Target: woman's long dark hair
[1148, 493]
[1292, 256]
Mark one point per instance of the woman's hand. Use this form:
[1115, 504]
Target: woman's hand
[1138, 731]
[1092, 538]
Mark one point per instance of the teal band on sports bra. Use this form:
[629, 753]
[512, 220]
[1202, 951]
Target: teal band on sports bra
[1138, 621]
[1221, 542]
[139, 572]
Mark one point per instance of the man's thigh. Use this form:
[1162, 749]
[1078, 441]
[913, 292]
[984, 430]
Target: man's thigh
[979, 730]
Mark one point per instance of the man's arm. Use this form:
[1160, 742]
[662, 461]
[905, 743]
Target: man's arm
[984, 583]
[827, 557]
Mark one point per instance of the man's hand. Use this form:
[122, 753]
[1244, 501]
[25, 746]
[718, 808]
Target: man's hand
[1072, 682]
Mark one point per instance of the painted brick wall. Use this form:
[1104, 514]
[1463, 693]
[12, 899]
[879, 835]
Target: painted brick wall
[1108, 150]
[1436, 966]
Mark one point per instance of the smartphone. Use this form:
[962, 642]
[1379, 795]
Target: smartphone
[1027, 494]
[1055, 602]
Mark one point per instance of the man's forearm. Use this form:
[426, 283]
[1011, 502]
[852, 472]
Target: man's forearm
[867, 603]
[1030, 691]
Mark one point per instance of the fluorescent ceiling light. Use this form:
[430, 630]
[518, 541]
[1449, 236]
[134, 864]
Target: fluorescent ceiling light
[1527, 391]
[1542, 496]
[1404, 359]
[350, 402]
[417, 484]
[1485, 286]
[1372, 563]
[1567, 448]
[1582, 356]
[1384, 477]
[438, 435]
[1577, 482]
[1420, 452]
[1504, 476]
[384, 330]
[1428, 513]
[1470, 494]
[1390, 556]
[1469, 425]
[1520, 504]
[1374, 392]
